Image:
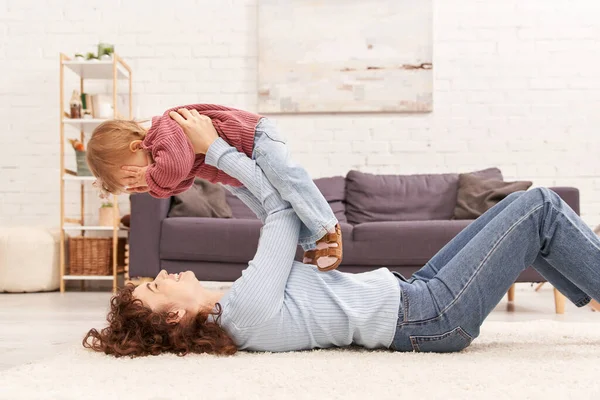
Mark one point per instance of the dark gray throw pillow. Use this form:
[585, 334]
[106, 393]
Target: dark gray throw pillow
[477, 194]
[203, 199]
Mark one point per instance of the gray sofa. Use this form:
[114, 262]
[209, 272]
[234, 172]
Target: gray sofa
[395, 221]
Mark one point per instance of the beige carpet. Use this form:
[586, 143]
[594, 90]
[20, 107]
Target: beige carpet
[510, 360]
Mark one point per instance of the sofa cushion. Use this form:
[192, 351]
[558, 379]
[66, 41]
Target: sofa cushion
[203, 199]
[333, 189]
[476, 195]
[400, 242]
[372, 198]
[218, 240]
[209, 239]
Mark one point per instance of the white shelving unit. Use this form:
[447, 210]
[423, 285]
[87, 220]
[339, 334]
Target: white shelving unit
[88, 228]
[84, 125]
[114, 70]
[99, 69]
[78, 178]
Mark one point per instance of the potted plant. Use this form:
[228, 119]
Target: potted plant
[105, 51]
[91, 57]
[79, 57]
[106, 214]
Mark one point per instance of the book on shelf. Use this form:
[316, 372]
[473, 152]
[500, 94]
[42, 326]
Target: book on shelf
[87, 104]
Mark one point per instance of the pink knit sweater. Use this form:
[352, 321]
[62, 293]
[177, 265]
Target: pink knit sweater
[175, 165]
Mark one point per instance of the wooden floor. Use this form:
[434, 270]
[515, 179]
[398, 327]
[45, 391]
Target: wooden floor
[38, 325]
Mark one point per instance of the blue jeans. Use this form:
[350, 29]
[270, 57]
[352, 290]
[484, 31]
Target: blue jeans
[444, 303]
[293, 183]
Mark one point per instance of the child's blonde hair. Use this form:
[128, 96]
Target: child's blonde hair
[108, 148]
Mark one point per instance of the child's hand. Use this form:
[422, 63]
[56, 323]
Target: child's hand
[198, 128]
[135, 177]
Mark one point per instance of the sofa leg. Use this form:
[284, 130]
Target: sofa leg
[559, 302]
[511, 293]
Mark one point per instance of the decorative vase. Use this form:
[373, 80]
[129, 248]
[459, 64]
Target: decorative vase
[105, 216]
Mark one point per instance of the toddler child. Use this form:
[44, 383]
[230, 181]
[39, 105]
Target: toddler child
[170, 164]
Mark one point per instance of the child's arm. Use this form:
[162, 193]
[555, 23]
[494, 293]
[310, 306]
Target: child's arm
[174, 157]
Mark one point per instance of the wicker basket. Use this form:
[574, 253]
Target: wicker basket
[90, 256]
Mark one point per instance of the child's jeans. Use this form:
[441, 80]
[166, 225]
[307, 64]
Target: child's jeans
[292, 182]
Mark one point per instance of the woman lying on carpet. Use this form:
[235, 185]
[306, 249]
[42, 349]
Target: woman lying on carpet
[281, 305]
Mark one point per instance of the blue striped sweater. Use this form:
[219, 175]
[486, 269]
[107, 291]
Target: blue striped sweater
[282, 305]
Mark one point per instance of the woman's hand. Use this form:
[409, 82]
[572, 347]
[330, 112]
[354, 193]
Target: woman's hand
[198, 128]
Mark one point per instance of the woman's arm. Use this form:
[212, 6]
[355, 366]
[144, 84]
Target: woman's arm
[259, 293]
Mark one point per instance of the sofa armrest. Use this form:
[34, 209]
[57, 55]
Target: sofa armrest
[147, 214]
[570, 195]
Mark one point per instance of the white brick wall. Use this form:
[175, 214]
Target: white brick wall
[517, 85]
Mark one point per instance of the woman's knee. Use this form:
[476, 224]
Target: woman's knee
[514, 196]
[541, 195]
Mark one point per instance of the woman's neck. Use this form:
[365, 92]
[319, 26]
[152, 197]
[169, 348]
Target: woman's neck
[213, 297]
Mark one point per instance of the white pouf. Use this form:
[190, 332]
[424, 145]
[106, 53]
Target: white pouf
[29, 259]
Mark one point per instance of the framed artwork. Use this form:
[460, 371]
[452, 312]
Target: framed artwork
[340, 56]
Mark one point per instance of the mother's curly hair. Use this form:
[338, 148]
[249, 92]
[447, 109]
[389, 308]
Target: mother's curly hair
[135, 330]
